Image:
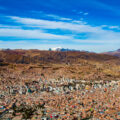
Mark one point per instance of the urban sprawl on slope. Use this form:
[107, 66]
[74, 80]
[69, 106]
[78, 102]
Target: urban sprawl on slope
[60, 99]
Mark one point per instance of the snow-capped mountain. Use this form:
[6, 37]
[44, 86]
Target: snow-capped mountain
[61, 49]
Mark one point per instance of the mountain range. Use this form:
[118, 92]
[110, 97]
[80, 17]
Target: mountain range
[60, 49]
[56, 64]
[114, 53]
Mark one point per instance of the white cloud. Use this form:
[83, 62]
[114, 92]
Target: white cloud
[8, 26]
[86, 13]
[36, 34]
[46, 24]
[53, 16]
[79, 22]
[114, 27]
[104, 26]
[12, 42]
[93, 34]
[58, 17]
[111, 27]
[82, 13]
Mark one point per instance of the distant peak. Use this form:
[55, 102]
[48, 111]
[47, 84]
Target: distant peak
[118, 50]
[61, 49]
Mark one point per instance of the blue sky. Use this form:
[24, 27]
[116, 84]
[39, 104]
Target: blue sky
[92, 25]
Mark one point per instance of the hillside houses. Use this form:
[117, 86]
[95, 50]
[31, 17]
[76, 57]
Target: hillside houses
[61, 98]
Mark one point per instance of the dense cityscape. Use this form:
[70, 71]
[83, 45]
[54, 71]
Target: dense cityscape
[63, 99]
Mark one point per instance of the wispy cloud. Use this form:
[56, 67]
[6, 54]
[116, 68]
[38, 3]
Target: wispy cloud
[47, 24]
[8, 26]
[111, 27]
[36, 34]
[114, 27]
[92, 34]
[58, 17]
[102, 5]
[86, 13]
[13, 42]
[93, 31]
[53, 16]
[80, 12]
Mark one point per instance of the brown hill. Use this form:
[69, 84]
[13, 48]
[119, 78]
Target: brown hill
[37, 56]
[114, 53]
[27, 64]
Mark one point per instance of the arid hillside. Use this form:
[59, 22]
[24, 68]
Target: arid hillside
[48, 64]
[37, 56]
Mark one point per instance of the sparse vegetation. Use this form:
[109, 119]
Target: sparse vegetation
[82, 65]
